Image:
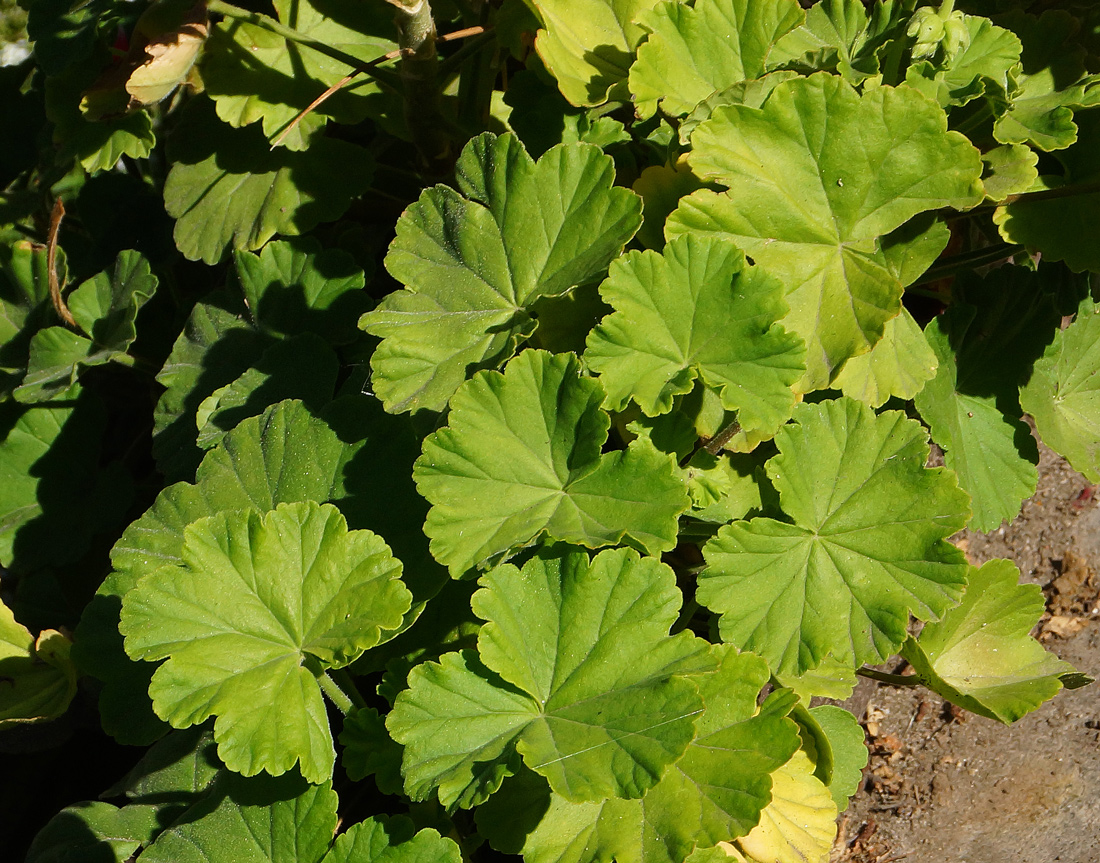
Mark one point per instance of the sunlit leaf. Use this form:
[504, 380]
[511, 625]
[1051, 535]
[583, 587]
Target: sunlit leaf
[38, 679]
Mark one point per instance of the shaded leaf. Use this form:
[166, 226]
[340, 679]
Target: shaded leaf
[37, 679]
[94, 832]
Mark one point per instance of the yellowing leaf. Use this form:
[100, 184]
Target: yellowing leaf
[37, 680]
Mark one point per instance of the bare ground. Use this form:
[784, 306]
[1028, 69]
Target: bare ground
[947, 787]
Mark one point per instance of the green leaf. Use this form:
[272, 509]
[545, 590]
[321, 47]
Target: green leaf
[834, 678]
[839, 35]
[846, 739]
[813, 190]
[391, 840]
[370, 751]
[255, 75]
[1009, 170]
[97, 146]
[38, 678]
[262, 605]
[1062, 226]
[865, 547]
[580, 677]
[715, 791]
[295, 286]
[105, 307]
[1063, 394]
[697, 311]
[985, 350]
[799, 825]
[981, 655]
[1048, 85]
[899, 365]
[94, 832]
[991, 55]
[694, 50]
[227, 187]
[177, 768]
[520, 459]
[476, 259]
[588, 45]
[302, 367]
[63, 34]
[661, 187]
[24, 299]
[261, 819]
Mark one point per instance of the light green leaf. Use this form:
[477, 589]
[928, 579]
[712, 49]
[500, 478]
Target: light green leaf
[590, 691]
[981, 655]
[694, 50]
[262, 819]
[105, 307]
[992, 54]
[715, 792]
[227, 187]
[799, 825]
[697, 311]
[849, 751]
[752, 93]
[392, 840]
[588, 45]
[255, 75]
[1009, 170]
[94, 832]
[1063, 394]
[812, 192]
[475, 262]
[262, 605]
[1063, 227]
[865, 545]
[1048, 85]
[834, 678]
[39, 679]
[839, 35]
[520, 459]
[900, 364]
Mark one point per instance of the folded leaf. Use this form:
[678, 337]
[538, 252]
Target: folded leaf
[520, 458]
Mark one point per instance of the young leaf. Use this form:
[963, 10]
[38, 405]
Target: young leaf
[715, 792]
[520, 458]
[1009, 170]
[105, 307]
[991, 54]
[694, 50]
[255, 75]
[838, 35]
[38, 678]
[262, 819]
[580, 677]
[1063, 394]
[981, 656]
[227, 187]
[813, 214]
[263, 604]
[475, 262]
[588, 46]
[697, 311]
[865, 547]
[799, 825]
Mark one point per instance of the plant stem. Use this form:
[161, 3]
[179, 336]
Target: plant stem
[892, 679]
[343, 700]
[969, 261]
[228, 10]
[715, 444]
[419, 75]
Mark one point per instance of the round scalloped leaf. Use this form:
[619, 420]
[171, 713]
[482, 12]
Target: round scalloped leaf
[817, 177]
[1009, 170]
[520, 459]
[697, 310]
[262, 605]
[475, 261]
[255, 75]
[588, 45]
[694, 50]
[981, 655]
[228, 188]
[580, 677]
[799, 825]
[865, 545]
[392, 840]
[899, 365]
[39, 679]
[1063, 394]
[262, 819]
[714, 792]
